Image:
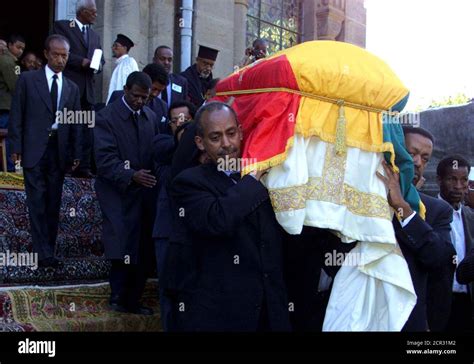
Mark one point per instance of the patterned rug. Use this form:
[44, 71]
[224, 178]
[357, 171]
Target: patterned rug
[83, 308]
[11, 181]
[78, 244]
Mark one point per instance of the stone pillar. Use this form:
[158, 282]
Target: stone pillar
[161, 26]
[330, 15]
[240, 27]
[309, 30]
[355, 24]
[214, 27]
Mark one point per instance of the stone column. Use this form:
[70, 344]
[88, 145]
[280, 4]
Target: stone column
[240, 27]
[330, 17]
[355, 24]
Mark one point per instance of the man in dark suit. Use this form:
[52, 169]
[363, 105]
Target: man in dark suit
[45, 146]
[177, 89]
[83, 40]
[124, 134]
[426, 244]
[452, 173]
[230, 244]
[159, 80]
[199, 75]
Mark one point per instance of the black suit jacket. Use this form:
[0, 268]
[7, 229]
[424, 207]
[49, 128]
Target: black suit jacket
[426, 245]
[157, 105]
[119, 154]
[83, 77]
[464, 271]
[31, 117]
[197, 86]
[179, 89]
[225, 261]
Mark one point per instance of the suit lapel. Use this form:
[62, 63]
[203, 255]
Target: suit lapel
[64, 94]
[42, 85]
[467, 221]
[77, 31]
[222, 183]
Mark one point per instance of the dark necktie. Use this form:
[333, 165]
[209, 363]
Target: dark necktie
[84, 34]
[164, 95]
[54, 96]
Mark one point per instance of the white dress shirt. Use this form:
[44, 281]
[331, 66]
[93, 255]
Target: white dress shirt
[81, 25]
[459, 241]
[49, 77]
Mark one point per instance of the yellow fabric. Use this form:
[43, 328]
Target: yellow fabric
[348, 73]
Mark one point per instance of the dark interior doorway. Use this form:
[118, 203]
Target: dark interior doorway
[31, 19]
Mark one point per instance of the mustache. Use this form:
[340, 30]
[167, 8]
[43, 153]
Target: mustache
[224, 153]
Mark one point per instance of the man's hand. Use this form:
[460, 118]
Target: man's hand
[86, 63]
[75, 164]
[16, 157]
[395, 198]
[259, 174]
[144, 178]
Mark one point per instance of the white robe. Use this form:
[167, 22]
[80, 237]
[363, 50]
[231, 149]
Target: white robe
[125, 66]
[373, 290]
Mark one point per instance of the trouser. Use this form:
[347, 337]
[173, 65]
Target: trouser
[43, 187]
[4, 116]
[127, 282]
[161, 248]
[460, 319]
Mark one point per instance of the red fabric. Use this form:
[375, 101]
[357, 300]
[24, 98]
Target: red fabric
[267, 119]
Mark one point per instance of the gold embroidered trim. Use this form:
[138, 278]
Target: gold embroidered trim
[331, 188]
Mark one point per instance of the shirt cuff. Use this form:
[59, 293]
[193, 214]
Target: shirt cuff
[407, 220]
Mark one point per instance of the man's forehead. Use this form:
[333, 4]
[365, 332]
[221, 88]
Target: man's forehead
[222, 119]
[164, 52]
[418, 139]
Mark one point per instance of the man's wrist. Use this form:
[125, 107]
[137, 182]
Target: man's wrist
[403, 210]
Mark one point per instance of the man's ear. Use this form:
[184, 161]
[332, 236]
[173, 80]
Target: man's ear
[438, 179]
[240, 132]
[199, 143]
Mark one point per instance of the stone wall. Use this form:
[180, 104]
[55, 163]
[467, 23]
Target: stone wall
[219, 24]
[453, 129]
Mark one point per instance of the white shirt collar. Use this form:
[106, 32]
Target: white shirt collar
[459, 210]
[50, 73]
[80, 24]
[118, 60]
[128, 106]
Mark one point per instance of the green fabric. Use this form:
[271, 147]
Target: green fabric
[393, 133]
[8, 78]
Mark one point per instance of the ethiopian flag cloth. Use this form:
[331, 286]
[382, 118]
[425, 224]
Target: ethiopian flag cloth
[315, 114]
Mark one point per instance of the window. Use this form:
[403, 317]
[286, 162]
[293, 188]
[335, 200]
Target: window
[278, 21]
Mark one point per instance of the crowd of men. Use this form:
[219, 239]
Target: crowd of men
[223, 261]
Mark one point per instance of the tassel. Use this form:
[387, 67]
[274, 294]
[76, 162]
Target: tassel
[341, 130]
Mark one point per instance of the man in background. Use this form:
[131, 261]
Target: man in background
[84, 41]
[199, 75]
[125, 63]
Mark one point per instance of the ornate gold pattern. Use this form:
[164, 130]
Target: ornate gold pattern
[331, 188]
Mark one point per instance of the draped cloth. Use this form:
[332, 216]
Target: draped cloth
[314, 115]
